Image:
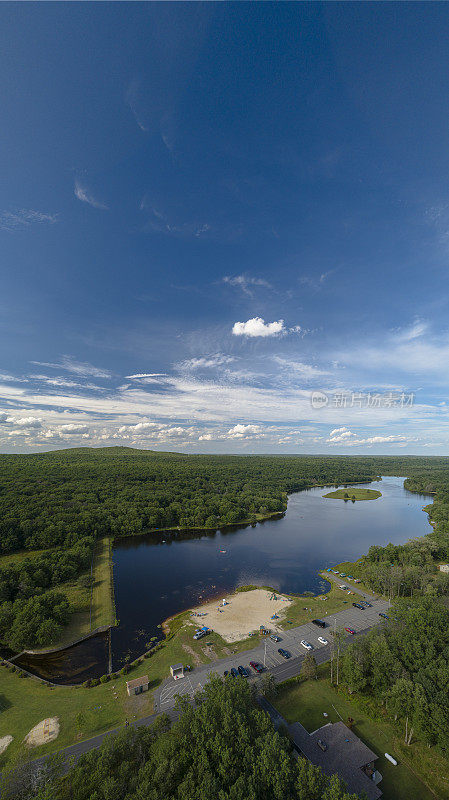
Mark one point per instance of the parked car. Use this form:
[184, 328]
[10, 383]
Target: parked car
[256, 666]
[350, 631]
[283, 653]
[344, 587]
[307, 645]
[365, 603]
[357, 605]
[243, 671]
[322, 640]
[275, 638]
[200, 634]
[187, 668]
[322, 745]
[385, 616]
[226, 672]
[234, 672]
[319, 622]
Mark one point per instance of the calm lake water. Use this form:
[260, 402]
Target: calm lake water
[156, 576]
[155, 579]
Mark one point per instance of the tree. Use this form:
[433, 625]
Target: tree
[267, 686]
[309, 667]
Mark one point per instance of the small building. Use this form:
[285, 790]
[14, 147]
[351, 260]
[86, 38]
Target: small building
[443, 567]
[137, 685]
[336, 749]
[177, 671]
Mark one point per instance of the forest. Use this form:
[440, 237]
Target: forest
[404, 666]
[224, 748]
[32, 613]
[54, 499]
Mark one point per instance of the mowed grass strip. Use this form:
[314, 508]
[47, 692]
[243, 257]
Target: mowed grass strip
[103, 612]
[307, 702]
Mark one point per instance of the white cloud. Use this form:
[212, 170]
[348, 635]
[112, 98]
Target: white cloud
[258, 327]
[81, 368]
[239, 431]
[146, 375]
[207, 362]
[306, 371]
[84, 195]
[246, 283]
[23, 218]
[337, 431]
[72, 428]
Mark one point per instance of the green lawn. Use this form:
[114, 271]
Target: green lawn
[353, 494]
[103, 612]
[306, 703]
[303, 609]
[82, 712]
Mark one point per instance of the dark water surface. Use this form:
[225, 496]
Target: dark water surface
[156, 576]
[155, 579]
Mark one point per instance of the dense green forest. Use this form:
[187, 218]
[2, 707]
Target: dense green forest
[404, 666]
[224, 749]
[32, 613]
[56, 498]
[67, 499]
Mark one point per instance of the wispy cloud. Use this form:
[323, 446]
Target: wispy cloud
[246, 283]
[83, 369]
[23, 218]
[83, 194]
[205, 362]
[160, 222]
[140, 375]
[316, 282]
[133, 100]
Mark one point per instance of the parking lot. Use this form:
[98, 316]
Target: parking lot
[266, 651]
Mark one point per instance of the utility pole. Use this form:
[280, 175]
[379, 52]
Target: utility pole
[265, 654]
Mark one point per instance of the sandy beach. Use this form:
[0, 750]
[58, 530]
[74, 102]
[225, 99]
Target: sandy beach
[244, 613]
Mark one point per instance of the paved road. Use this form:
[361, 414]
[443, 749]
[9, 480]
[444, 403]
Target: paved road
[164, 697]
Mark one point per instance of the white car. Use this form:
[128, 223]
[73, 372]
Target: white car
[343, 586]
[322, 640]
[306, 644]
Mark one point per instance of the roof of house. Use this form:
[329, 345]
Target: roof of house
[177, 666]
[346, 754]
[137, 682]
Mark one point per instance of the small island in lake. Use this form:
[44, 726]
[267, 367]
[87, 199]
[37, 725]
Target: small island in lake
[353, 494]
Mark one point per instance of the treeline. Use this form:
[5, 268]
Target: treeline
[56, 498]
[32, 613]
[404, 666]
[225, 748]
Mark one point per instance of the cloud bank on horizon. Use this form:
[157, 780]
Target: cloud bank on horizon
[270, 273]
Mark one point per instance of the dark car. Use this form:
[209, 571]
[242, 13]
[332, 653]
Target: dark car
[319, 622]
[256, 667]
[357, 605]
[243, 672]
[385, 616]
[225, 673]
[350, 631]
[234, 672]
[365, 603]
[283, 653]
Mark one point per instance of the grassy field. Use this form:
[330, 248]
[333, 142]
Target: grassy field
[103, 612]
[353, 494]
[82, 712]
[303, 609]
[306, 702]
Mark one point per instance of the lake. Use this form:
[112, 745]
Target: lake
[155, 579]
[159, 575]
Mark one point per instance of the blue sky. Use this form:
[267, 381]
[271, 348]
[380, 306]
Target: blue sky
[224, 227]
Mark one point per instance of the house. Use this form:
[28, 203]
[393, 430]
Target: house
[443, 567]
[137, 685]
[177, 671]
[340, 751]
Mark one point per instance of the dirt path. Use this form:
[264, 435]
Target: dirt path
[196, 658]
